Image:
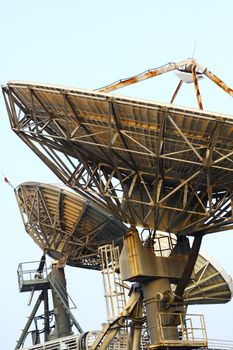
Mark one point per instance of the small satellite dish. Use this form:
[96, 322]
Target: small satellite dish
[66, 225]
[186, 75]
[212, 285]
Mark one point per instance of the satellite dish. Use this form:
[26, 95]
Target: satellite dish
[187, 76]
[151, 164]
[212, 285]
[64, 224]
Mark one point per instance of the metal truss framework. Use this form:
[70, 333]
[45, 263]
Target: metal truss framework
[66, 226]
[153, 165]
[211, 284]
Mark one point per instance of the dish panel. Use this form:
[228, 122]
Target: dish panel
[152, 164]
[64, 224]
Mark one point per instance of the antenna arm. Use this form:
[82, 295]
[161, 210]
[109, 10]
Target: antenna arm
[146, 75]
[215, 79]
[150, 73]
[219, 82]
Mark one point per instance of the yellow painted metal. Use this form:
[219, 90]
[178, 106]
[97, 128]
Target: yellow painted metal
[67, 226]
[139, 264]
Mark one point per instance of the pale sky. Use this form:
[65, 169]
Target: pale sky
[88, 44]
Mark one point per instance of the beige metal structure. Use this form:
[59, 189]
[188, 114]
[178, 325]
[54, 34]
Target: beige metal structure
[115, 289]
[115, 292]
[57, 322]
[66, 226]
[152, 164]
[149, 164]
[210, 283]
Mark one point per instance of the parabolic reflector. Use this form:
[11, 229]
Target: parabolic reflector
[212, 285]
[151, 164]
[64, 224]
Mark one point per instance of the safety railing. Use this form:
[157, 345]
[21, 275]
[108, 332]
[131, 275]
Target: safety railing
[215, 344]
[180, 329]
[61, 291]
[28, 271]
[74, 343]
[67, 343]
[164, 244]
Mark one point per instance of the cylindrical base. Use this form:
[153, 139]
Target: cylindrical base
[62, 319]
[156, 331]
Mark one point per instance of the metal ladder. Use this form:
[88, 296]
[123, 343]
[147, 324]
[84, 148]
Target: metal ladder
[114, 288]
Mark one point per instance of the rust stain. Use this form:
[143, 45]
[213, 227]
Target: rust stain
[188, 65]
[132, 80]
[218, 81]
[146, 75]
[198, 95]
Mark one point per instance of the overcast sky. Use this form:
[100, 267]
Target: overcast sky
[89, 44]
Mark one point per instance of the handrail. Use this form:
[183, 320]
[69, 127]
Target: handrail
[31, 273]
[72, 343]
[189, 331]
[220, 344]
[64, 294]
[65, 298]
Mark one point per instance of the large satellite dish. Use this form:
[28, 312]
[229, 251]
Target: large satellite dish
[65, 225]
[151, 164]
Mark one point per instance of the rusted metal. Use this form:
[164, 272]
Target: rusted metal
[198, 94]
[218, 81]
[176, 91]
[146, 75]
[189, 64]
